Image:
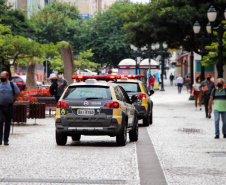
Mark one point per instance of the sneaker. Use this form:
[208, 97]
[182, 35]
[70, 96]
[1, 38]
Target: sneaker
[209, 116]
[200, 108]
[217, 137]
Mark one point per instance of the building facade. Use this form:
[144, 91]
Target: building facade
[87, 8]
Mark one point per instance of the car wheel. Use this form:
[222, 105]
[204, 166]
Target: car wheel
[146, 120]
[122, 137]
[61, 139]
[24, 88]
[76, 137]
[133, 134]
[151, 119]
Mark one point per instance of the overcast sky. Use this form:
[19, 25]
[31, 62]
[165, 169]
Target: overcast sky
[140, 1]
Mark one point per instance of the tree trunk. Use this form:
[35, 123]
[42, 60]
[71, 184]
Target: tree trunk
[7, 67]
[31, 82]
[69, 66]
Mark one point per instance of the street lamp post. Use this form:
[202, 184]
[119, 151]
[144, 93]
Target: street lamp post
[212, 15]
[150, 54]
[162, 52]
[192, 74]
[202, 42]
[136, 52]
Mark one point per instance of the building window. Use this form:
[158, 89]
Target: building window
[47, 2]
[16, 4]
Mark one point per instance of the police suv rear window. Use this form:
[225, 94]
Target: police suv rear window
[130, 87]
[87, 93]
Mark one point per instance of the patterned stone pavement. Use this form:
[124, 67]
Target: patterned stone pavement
[182, 137]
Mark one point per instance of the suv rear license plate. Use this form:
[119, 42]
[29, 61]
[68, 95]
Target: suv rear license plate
[85, 112]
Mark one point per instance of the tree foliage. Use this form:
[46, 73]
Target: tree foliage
[104, 35]
[21, 50]
[15, 19]
[167, 20]
[212, 57]
[57, 22]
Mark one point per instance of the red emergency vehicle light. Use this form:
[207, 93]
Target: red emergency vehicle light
[106, 77]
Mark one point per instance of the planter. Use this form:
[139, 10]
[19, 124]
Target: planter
[20, 113]
[50, 102]
[37, 111]
[24, 110]
[46, 99]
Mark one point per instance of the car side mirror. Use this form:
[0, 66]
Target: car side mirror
[133, 99]
[151, 92]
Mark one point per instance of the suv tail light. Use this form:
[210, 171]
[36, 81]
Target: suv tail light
[141, 96]
[62, 104]
[112, 104]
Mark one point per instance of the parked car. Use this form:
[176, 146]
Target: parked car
[45, 86]
[20, 81]
[95, 108]
[85, 72]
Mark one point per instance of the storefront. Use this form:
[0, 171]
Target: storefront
[209, 70]
[154, 70]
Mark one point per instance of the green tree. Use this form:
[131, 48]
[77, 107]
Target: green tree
[15, 19]
[24, 51]
[167, 20]
[56, 22]
[212, 57]
[104, 35]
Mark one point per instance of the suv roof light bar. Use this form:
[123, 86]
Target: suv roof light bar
[106, 77]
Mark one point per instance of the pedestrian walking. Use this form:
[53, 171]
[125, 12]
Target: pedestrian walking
[187, 83]
[179, 82]
[97, 70]
[198, 79]
[219, 96]
[103, 71]
[109, 71]
[197, 95]
[8, 93]
[61, 84]
[206, 87]
[171, 77]
[151, 82]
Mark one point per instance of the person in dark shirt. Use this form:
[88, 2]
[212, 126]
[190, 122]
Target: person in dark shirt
[8, 93]
[171, 77]
[109, 71]
[62, 84]
[206, 87]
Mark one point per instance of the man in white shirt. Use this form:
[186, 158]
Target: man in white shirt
[179, 82]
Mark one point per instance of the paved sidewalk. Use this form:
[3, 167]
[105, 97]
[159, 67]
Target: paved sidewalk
[184, 140]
